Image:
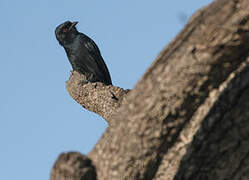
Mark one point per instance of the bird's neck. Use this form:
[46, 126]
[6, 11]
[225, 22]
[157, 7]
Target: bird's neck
[70, 38]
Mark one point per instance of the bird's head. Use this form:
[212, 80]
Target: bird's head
[65, 32]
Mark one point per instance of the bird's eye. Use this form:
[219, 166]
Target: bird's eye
[65, 30]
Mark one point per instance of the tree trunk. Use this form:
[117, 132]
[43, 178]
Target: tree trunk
[188, 117]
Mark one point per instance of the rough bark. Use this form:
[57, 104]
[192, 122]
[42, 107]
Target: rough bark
[96, 97]
[73, 166]
[188, 117]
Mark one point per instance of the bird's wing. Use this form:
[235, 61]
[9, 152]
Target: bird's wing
[101, 66]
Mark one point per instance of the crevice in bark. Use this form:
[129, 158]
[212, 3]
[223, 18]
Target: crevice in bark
[214, 129]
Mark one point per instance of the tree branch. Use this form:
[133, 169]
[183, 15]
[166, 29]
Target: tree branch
[212, 46]
[96, 97]
[73, 166]
[174, 123]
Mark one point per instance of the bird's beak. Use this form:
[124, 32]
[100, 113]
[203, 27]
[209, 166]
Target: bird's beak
[73, 24]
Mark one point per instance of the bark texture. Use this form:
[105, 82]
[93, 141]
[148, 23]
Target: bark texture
[188, 116]
[96, 97]
[73, 166]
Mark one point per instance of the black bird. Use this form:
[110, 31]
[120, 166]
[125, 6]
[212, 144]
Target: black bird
[82, 52]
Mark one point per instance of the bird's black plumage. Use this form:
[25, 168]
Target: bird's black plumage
[82, 52]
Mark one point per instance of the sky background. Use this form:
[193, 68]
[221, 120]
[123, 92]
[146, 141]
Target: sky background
[38, 118]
